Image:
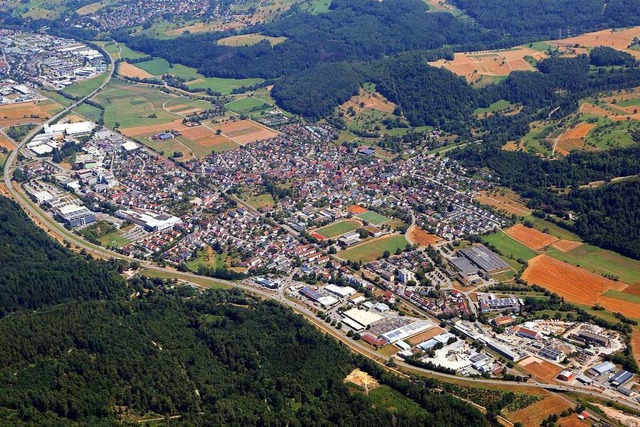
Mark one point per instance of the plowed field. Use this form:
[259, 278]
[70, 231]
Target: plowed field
[532, 415]
[27, 112]
[129, 70]
[530, 236]
[573, 138]
[421, 237]
[245, 131]
[566, 245]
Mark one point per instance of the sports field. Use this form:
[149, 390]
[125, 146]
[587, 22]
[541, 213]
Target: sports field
[373, 249]
[373, 218]
[338, 228]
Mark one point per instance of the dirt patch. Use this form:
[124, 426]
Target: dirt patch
[506, 202]
[635, 344]
[422, 237]
[129, 70]
[356, 210]
[426, 335]
[621, 417]
[565, 245]
[245, 131]
[6, 143]
[577, 284]
[366, 100]
[511, 146]
[362, 379]
[541, 369]
[533, 415]
[474, 65]
[530, 236]
[26, 112]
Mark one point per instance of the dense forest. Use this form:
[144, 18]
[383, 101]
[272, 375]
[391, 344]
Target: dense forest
[109, 352]
[606, 217]
[551, 18]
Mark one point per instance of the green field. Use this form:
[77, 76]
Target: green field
[114, 239]
[338, 228]
[157, 66]
[629, 102]
[613, 134]
[552, 229]
[540, 46]
[622, 296]
[223, 86]
[246, 105]
[499, 105]
[188, 104]
[90, 112]
[258, 201]
[373, 249]
[128, 53]
[55, 96]
[386, 398]
[533, 141]
[509, 246]
[216, 261]
[131, 105]
[373, 218]
[85, 87]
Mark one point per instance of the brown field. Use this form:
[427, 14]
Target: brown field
[27, 112]
[577, 284]
[6, 143]
[426, 335]
[422, 237]
[474, 65]
[372, 101]
[532, 415]
[129, 70]
[190, 111]
[565, 245]
[245, 131]
[153, 129]
[573, 138]
[572, 421]
[506, 201]
[362, 379]
[202, 27]
[530, 237]
[89, 9]
[204, 136]
[635, 344]
[73, 118]
[616, 39]
[541, 369]
[511, 146]
[356, 210]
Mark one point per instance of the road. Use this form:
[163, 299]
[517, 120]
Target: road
[356, 346]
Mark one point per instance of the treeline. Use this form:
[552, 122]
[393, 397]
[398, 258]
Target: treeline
[551, 18]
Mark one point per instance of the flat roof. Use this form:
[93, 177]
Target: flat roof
[365, 318]
[484, 258]
[407, 331]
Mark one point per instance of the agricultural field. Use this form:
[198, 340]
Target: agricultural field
[551, 228]
[127, 53]
[249, 40]
[422, 237]
[509, 246]
[373, 249]
[499, 106]
[338, 228]
[373, 218]
[6, 143]
[156, 66]
[540, 369]
[220, 85]
[573, 139]
[533, 415]
[90, 8]
[577, 284]
[506, 200]
[85, 87]
[244, 132]
[27, 112]
[616, 39]
[246, 105]
[530, 237]
[129, 70]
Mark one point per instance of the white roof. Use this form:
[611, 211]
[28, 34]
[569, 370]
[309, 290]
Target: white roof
[327, 301]
[352, 324]
[363, 317]
[342, 291]
[70, 128]
[42, 149]
[130, 146]
[407, 331]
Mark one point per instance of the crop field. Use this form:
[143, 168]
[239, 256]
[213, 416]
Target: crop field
[509, 246]
[365, 100]
[565, 245]
[624, 296]
[577, 284]
[223, 86]
[373, 249]
[619, 39]
[574, 138]
[245, 131]
[373, 218]
[249, 40]
[422, 237]
[90, 8]
[530, 237]
[133, 106]
[129, 70]
[202, 140]
[156, 66]
[6, 143]
[533, 415]
[474, 65]
[85, 87]
[338, 228]
[504, 200]
[541, 369]
[27, 112]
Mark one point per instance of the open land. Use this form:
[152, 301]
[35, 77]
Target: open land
[422, 237]
[540, 369]
[373, 249]
[129, 70]
[533, 415]
[338, 228]
[6, 143]
[577, 284]
[574, 138]
[245, 131]
[27, 112]
[505, 200]
[619, 39]
[365, 100]
[530, 236]
[249, 40]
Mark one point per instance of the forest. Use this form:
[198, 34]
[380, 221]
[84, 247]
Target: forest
[108, 352]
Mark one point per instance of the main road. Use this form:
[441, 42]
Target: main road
[356, 346]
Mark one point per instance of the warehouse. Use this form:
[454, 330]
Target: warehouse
[323, 300]
[407, 331]
[481, 256]
[362, 317]
[75, 215]
[590, 337]
[603, 368]
[620, 378]
[152, 221]
[340, 291]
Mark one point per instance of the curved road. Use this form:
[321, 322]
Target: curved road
[356, 346]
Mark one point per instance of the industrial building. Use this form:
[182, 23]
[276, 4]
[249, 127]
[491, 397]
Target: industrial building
[323, 300]
[407, 331]
[602, 368]
[152, 221]
[360, 319]
[75, 215]
[340, 291]
[591, 338]
[486, 260]
[269, 284]
[71, 129]
[620, 378]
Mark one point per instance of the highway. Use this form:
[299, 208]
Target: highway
[357, 346]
